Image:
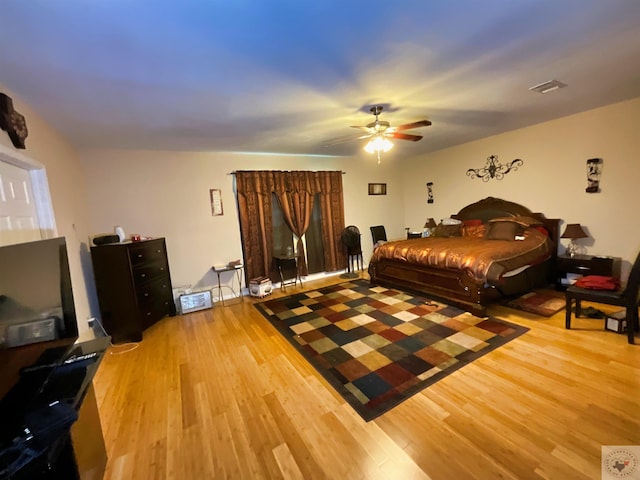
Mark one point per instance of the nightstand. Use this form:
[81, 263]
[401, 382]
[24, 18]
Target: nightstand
[585, 265]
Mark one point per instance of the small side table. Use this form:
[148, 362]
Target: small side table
[287, 266]
[219, 270]
[586, 265]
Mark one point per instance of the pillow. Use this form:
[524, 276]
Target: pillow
[542, 230]
[598, 282]
[502, 230]
[447, 230]
[472, 222]
[474, 231]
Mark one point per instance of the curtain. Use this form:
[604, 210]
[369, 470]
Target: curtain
[295, 192]
[253, 190]
[332, 212]
[313, 240]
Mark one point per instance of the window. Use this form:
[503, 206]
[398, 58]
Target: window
[282, 234]
[284, 240]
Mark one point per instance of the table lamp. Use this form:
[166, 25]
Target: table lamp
[573, 231]
[429, 225]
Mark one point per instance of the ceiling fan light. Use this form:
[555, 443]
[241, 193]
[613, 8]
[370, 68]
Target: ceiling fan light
[378, 144]
[369, 147]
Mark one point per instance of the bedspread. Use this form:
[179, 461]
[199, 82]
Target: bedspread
[483, 260]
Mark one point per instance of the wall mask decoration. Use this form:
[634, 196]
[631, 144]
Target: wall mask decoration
[12, 122]
[594, 170]
[429, 192]
[494, 169]
[215, 195]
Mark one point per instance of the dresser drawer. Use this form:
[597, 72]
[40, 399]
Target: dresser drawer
[586, 265]
[143, 274]
[575, 265]
[607, 266]
[158, 289]
[146, 252]
[154, 312]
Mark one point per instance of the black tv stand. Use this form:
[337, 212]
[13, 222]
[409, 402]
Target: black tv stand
[49, 417]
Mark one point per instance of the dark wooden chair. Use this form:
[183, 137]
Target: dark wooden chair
[351, 239]
[624, 297]
[378, 233]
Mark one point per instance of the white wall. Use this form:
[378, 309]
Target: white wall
[552, 179]
[68, 194]
[159, 193]
[166, 194]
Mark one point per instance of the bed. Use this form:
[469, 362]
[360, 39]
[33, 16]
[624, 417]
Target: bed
[499, 248]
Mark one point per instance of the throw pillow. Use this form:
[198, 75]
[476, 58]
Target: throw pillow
[474, 231]
[447, 231]
[502, 230]
[598, 282]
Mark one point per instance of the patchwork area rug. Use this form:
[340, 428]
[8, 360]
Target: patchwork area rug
[541, 302]
[378, 346]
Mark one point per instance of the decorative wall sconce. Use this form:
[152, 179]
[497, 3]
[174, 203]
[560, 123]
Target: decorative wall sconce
[12, 122]
[573, 231]
[429, 192]
[216, 201]
[594, 170]
[494, 169]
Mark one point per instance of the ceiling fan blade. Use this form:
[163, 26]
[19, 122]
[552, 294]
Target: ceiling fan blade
[348, 138]
[362, 127]
[409, 126]
[405, 136]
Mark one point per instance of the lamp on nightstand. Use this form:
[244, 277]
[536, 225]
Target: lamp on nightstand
[573, 231]
[429, 225]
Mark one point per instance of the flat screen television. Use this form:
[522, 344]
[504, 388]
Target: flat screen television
[37, 312]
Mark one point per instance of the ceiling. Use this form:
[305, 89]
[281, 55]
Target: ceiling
[287, 76]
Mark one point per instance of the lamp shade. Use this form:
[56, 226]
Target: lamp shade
[430, 223]
[573, 231]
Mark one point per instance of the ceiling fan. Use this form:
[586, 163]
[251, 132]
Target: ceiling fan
[380, 131]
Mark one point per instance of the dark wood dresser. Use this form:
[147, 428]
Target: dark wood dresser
[133, 285]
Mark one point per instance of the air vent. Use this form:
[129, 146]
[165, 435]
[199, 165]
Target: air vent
[547, 87]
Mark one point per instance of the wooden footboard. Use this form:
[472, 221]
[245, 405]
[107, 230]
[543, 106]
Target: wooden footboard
[451, 286]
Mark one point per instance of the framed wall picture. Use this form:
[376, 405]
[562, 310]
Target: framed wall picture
[377, 189]
[216, 201]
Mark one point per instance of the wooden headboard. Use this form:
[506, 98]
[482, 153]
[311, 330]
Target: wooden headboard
[492, 207]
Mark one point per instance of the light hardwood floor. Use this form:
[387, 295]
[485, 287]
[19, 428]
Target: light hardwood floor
[220, 394]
